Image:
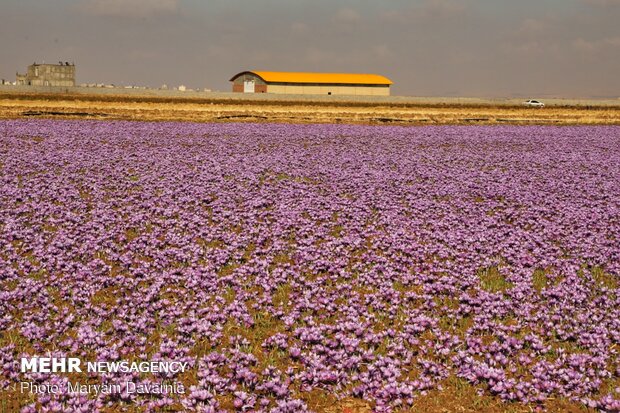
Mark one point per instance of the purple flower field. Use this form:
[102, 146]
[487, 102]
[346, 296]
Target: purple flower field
[295, 265]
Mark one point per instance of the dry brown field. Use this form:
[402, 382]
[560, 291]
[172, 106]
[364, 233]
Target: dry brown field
[149, 108]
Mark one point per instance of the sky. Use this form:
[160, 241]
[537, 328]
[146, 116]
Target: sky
[469, 48]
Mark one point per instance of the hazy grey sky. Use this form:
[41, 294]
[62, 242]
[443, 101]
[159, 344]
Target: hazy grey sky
[538, 48]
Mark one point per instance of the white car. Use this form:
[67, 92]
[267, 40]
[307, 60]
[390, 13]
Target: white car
[534, 103]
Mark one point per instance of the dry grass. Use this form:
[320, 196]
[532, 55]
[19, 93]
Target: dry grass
[203, 110]
[492, 280]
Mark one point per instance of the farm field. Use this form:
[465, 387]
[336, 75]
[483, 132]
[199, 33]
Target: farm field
[242, 109]
[319, 267]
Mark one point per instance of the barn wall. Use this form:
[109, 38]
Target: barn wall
[259, 84]
[326, 89]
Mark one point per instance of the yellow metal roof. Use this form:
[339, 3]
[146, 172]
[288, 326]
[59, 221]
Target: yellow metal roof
[331, 78]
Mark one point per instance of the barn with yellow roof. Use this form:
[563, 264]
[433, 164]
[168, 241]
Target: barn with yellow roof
[303, 83]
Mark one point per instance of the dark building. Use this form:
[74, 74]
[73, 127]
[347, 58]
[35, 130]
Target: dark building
[42, 74]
